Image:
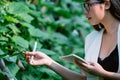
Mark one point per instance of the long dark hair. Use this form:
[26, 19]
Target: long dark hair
[114, 10]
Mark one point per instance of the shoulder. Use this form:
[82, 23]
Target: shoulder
[91, 36]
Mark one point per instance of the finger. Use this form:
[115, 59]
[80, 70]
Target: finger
[92, 63]
[79, 64]
[83, 66]
[86, 67]
[30, 53]
[77, 61]
[28, 58]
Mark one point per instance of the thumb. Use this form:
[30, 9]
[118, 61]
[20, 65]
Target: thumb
[92, 63]
[30, 53]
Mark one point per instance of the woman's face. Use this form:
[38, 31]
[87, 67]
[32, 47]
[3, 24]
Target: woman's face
[95, 11]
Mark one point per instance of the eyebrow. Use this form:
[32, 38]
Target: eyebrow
[87, 0]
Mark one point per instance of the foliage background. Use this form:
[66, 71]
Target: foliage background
[59, 27]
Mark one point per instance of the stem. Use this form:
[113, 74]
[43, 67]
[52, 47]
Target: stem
[5, 69]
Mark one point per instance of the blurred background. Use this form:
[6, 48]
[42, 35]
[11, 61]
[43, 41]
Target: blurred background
[59, 27]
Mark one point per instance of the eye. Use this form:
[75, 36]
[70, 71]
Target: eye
[86, 6]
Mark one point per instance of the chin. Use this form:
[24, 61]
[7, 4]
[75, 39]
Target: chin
[94, 23]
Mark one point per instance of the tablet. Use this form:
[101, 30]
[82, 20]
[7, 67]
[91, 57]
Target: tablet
[71, 58]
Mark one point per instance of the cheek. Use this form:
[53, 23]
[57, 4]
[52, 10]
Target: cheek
[97, 14]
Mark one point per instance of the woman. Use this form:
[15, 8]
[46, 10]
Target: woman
[102, 46]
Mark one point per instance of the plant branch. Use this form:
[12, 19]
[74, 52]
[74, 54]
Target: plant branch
[5, 69]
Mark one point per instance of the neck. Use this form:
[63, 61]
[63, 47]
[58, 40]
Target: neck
[110, 24]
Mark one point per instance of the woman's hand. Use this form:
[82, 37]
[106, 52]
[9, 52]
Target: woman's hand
[40, 58]
[91, 67]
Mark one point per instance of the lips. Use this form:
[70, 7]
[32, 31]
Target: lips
[89, 18]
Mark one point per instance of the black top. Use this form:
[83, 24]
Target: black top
[111, 62]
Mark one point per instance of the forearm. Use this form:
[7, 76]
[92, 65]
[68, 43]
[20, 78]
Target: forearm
[111, 75]
[66, 73]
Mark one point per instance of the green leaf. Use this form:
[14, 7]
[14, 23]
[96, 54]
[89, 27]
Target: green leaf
[3, 56]
[14, 28]
[5, 73]
[63, 22]
[11, 19]
[62, 12]
[1, 52]
[3, 39]
[18, 8]
[28, 77]
[38, 33]
[26, 17]
[48, 71]
[11, 59]
[20, 41]
[59, 38]
[27, 25]
[3, 29]
[48, 52]
[13, 68]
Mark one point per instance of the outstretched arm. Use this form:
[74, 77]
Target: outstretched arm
[66, 73]
[42, 59]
